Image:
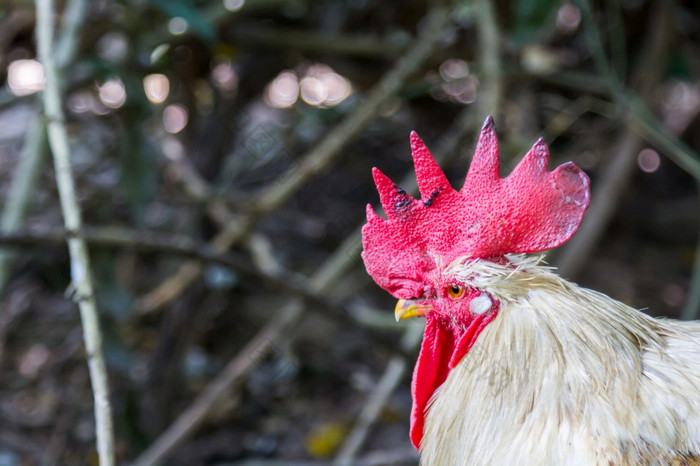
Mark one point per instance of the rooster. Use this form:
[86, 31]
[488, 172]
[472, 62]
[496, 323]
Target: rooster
[517, 365]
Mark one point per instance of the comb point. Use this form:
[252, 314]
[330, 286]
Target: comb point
[534, 164]
[483, 171]
[429, 175]
[393, 198]
[529, 211]
[540, 148]
[372, 217]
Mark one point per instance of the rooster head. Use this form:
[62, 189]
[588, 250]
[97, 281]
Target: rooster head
[411, 253]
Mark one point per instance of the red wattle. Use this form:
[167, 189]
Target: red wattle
[467, 339]
[441, 350]
[430, 372]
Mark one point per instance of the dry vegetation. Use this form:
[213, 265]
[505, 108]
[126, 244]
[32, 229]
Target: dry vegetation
[222, 155]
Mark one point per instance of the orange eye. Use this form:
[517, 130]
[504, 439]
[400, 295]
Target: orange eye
[455, 291]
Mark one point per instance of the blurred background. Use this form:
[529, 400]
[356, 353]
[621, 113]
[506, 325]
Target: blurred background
[222, 153]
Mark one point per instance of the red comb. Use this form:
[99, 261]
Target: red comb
[528, 211]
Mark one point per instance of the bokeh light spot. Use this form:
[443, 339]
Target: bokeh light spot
[112, 93]
[177, 26]
[233, 5]
[112, 46]
[25, 77]
[648, 160]
[224, 77]
[568, 18]
[312, 90]
[175, 118]
[283, 91]
[673, 295]
[453, 69]
[319, 86]
[80, 102]
[323, 87]
[157, 87]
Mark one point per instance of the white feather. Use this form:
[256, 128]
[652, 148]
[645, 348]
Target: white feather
[565, 375]
[481, 304]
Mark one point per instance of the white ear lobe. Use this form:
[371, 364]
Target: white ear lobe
[481, 304]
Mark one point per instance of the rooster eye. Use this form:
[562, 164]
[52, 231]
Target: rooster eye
[455, 291]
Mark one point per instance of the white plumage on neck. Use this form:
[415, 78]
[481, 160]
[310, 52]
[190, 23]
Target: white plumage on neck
[565, 375]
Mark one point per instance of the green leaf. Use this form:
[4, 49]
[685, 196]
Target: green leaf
[533, 18]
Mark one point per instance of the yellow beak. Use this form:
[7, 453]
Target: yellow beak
[405, 309]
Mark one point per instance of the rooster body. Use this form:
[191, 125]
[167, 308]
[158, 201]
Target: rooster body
[565, 375]
[518, 366]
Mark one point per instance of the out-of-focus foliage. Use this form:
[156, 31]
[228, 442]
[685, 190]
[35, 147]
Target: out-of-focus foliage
[532, 19]
[184, 114]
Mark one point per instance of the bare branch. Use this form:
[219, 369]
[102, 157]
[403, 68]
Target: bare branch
[233, 374]
[616, 176]
[80, 261]
[490, 56]
[311, 164]
[393, 374]
[22, 188]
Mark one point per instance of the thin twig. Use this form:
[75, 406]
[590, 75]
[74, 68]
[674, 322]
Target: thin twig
[73, 18]
[615, 177]
[491, 94]
[385, 457]
[327, 274]
[691, 310]
[349, 250]
[80, 261]
[124, 238]
[393, 374]
[24, 180]
[234, 373]
[363, 45]
[595, 44]
[330, 147]
[179, 245]
[26, 173]
[188, 421]
[311, 164]
[215, 13]
[323, 280]
[274, 462]
[581, 82]
[608, 191]
[647, 126]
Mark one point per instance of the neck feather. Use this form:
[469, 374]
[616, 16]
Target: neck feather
[554, 360]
